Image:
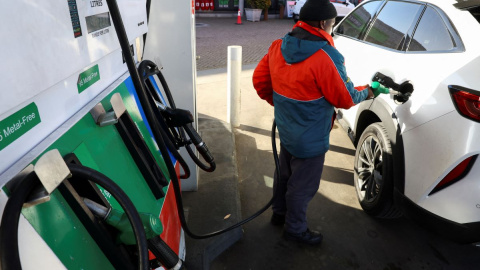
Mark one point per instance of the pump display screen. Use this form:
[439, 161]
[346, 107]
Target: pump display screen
[97, 22]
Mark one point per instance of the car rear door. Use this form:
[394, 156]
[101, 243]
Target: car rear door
[372, 39]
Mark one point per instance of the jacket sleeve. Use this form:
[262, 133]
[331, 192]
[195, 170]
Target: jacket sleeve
[336, 86]
[262, 81]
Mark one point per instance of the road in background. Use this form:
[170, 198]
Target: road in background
[214, 35]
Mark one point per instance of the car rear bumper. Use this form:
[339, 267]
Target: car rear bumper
[432, 151]
[459, 232]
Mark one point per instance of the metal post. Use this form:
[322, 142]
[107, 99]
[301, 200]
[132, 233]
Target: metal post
[233, 85]
[241, 6]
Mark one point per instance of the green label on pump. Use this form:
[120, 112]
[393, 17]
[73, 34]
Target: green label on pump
[87, 78]
[17, 124]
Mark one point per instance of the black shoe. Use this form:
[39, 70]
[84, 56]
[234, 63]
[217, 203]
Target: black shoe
[277, 220]
[307, 237]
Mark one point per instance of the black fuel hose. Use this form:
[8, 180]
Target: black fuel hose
[86, 173]
[179, 201]
[9, 254]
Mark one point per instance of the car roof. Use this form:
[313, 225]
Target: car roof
[449, 6]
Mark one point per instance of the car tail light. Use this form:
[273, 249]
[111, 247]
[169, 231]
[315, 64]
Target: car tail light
[467, 101]
[459, 172]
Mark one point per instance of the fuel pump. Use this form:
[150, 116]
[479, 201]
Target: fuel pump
[106, 209]
[115, 184]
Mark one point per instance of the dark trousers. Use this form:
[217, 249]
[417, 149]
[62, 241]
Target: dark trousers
[298, 182]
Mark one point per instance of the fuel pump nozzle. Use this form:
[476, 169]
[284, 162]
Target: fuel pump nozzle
[183, 118]
[153, 228]
[378, 88]
[383, 84]
[119, 220]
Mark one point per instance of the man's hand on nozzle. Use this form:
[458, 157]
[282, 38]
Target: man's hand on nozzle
[370, 92]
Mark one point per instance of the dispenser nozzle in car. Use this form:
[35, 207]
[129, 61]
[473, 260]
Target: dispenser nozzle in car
[383, 84]
[378, 89]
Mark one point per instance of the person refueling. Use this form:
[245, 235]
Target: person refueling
[304, 77]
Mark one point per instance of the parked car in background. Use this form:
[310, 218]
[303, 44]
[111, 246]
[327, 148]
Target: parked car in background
[343, 7]
[417, 149]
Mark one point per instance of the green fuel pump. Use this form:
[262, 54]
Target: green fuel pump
[132, 227]
[93, 139]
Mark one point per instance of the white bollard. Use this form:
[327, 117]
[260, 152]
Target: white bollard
[233, 85]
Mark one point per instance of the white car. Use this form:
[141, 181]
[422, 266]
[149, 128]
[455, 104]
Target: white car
[416, 149]
[343, 7]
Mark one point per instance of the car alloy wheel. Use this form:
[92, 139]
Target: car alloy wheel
[373, 173]
[370, 164]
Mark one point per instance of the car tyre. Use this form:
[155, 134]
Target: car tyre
[373, 173]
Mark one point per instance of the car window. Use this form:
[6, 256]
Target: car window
[392, 24]
[355, 23]
[431, 34]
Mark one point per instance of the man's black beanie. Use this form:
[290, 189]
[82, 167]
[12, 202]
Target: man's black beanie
[317, 10]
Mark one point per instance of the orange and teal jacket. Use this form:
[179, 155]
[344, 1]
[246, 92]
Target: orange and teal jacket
[304, 77]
